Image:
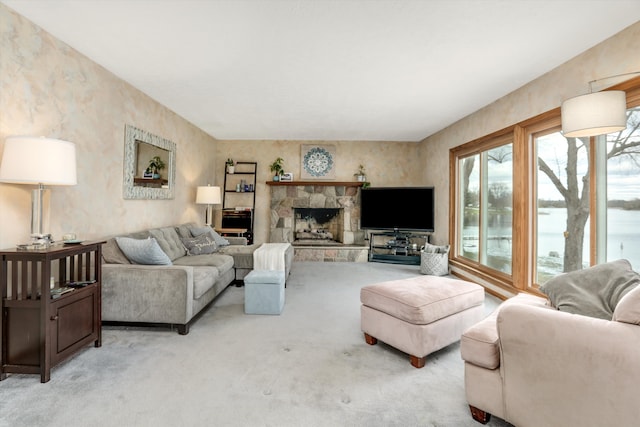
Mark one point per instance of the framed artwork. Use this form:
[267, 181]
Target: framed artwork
[318, 162]
[287, 176]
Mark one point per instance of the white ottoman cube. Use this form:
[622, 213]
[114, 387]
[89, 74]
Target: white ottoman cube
[264, 292]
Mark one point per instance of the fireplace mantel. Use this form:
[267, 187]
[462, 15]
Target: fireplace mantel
[318, 183]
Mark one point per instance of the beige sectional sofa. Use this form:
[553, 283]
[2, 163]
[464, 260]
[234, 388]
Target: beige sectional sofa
[172, 293]
[537, 362]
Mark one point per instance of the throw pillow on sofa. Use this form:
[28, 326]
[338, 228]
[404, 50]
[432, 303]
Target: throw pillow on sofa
[200, 245]
[198, 231]
[143, 251]
[593, 291]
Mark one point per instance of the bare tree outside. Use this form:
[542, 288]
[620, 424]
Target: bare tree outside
[575, 189]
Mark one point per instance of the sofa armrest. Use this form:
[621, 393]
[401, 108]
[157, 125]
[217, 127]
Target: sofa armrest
[147, 293]
[237, 240]
[566, 369]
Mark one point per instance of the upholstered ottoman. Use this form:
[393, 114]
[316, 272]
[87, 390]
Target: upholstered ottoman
[264, 292]
[421, 314]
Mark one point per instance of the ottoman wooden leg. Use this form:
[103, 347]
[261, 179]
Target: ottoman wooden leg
[418, 362]
[370, 340]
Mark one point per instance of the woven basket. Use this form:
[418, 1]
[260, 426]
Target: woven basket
[435, 264]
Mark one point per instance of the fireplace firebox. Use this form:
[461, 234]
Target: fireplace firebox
[318, 226]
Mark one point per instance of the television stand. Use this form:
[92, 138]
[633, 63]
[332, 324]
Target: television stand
[397, 247]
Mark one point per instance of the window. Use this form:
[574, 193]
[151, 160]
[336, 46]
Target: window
[529, 204]
[562, 204]
[485, 199]
[622, 225]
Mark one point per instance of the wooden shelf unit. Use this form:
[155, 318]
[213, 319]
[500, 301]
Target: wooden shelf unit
[38, 331]
[231, 198]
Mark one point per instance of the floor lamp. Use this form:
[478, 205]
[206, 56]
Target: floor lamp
[39, 161]
[208, 196]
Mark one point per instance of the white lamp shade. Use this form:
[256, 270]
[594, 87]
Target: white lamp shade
[32, 160]
[208, 195]
[594, 114]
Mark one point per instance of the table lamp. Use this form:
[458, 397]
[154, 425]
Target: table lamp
[208, 195]
[39, 161]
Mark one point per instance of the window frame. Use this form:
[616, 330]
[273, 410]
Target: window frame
[524, 181]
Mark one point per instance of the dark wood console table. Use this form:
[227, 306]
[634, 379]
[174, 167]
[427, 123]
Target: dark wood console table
[39, 327]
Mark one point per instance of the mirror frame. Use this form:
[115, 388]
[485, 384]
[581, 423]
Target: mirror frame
[132, 136]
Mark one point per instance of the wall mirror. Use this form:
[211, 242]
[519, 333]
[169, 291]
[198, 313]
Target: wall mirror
[143, 153]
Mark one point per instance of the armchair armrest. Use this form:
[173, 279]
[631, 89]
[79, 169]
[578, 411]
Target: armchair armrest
[567, 369]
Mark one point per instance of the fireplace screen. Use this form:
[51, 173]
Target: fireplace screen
[318, 225]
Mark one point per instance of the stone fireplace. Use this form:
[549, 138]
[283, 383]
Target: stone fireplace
[321, 220]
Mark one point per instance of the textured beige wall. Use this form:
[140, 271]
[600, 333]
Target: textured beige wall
[387, 164]
[617, 55]
[49, 89]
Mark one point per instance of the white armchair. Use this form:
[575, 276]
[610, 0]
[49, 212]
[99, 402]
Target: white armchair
[533, 365]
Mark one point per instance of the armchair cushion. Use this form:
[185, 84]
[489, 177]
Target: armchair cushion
[593, 291]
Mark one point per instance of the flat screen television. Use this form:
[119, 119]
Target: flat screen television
[397, 208]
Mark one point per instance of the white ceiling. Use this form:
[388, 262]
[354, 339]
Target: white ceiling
[387, 70]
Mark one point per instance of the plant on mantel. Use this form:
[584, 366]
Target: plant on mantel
[361, 176]
[277, 167]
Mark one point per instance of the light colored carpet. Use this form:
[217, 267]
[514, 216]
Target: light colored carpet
[309, 366]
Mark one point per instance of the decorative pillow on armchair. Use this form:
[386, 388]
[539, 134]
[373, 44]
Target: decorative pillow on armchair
[143, 251]
[203, 244]
[593, 291]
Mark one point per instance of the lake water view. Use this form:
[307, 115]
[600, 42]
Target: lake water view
[623, 238]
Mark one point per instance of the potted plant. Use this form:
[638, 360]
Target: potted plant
[156, 164]
[277, 168]
[231, 165]
[361, 175]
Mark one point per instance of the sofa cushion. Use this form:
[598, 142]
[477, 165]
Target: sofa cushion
[200, 245]
[203, 279]
[112, 254]
[480, 345]
[422, 300]
[197, 231]
[143, 251]
[242, 254]
[628, 309]
[222, 263]
[169, 241]
[593, 291]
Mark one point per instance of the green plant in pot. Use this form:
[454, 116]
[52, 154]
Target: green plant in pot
[361, 175]
[156, 164]
[231, 165]
[277, 168]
